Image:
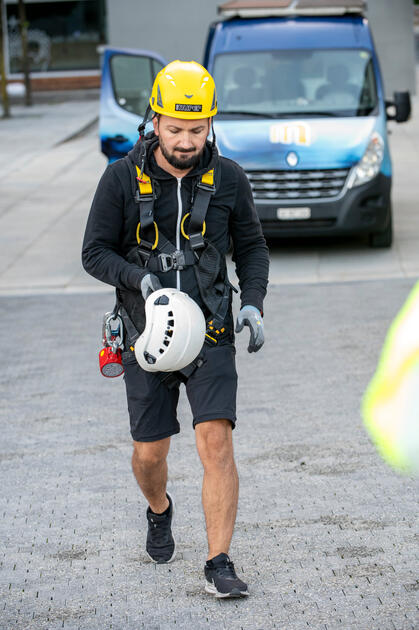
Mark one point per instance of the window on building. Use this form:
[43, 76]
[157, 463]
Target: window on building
[62, 35]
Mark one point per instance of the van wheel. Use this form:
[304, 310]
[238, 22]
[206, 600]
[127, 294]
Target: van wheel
[384, 238]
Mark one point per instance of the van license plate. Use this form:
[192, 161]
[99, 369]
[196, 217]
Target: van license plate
[293, 214]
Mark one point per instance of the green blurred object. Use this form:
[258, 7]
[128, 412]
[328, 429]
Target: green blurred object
[390, 407]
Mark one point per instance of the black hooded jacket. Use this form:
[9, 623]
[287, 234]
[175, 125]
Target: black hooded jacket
[111, 227]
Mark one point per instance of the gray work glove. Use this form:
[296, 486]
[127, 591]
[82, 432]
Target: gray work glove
[149, 284]
[250, 316]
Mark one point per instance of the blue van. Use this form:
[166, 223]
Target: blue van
[301, 108]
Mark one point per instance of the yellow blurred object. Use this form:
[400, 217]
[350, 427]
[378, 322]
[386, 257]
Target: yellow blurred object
[390, 407]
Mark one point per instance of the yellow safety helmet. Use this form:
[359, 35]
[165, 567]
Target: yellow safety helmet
[184, 89]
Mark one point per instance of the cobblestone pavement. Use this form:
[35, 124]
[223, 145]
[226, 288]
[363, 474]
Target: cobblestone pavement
[327, 535]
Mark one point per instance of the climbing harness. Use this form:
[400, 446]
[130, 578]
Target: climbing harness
[156, 253]
[168, 257]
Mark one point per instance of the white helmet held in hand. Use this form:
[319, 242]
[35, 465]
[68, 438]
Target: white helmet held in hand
[174, 333]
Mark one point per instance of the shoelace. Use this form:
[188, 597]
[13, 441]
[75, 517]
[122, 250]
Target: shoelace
[160, 530]
[226, 571]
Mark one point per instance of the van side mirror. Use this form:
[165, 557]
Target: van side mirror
[401, 105]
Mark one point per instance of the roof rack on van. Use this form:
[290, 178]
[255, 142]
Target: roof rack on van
[264, 8]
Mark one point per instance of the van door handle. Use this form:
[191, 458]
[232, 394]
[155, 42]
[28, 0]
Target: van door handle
[118, 138]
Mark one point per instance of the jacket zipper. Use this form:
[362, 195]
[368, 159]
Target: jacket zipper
[179, 218]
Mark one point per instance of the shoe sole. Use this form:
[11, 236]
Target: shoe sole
[212, 590]
[172, 557]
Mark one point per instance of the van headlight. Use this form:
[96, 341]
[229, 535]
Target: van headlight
[369, 165]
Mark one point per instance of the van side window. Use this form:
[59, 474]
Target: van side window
[132, 80]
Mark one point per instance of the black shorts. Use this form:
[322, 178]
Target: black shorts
[211, 391]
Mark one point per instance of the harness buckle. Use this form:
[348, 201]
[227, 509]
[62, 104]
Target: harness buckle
[166, 262]
[208, 187]
[211, 341]
[173, 261]
[145, 247]
[143, 197]
[206, 182]
[196, 241]
[179, 261]
[140, 198]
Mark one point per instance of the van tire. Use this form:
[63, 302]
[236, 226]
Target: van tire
[384, 238]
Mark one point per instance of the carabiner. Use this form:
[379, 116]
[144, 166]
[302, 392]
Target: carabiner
[113, 331]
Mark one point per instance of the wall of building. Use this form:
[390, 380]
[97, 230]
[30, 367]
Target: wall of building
[392, 26]
[177, 29]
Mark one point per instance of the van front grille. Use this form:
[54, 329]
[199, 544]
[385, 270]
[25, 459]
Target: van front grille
[275, 185]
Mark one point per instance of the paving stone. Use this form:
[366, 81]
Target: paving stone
[326, 534]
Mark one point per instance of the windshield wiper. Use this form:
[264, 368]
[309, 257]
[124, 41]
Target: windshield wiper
[313, 114]
[365, 111]
[300, 114]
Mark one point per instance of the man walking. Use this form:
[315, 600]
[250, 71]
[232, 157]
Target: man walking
[164, 216]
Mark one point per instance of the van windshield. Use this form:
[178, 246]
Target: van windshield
[296, 83]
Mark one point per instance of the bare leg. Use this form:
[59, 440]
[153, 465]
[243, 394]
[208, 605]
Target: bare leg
[149, 466]
[220, 488]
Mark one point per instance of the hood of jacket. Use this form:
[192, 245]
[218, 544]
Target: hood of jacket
[142, 155]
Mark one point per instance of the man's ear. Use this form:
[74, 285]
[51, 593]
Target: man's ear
[155, 121]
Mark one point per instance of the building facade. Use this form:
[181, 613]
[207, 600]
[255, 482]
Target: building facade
[177, 30]
[65, 36]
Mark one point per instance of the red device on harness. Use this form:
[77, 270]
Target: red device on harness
[110, 363]
[110, 357]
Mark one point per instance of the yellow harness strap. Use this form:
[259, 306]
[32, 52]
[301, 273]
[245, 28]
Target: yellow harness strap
[208, 178]
[146, 188]
[144, 183]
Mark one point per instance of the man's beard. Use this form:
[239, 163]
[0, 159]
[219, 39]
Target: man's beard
[181, 165]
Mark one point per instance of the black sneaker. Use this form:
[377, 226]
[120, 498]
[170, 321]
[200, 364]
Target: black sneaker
[160, 544]
[221, 577]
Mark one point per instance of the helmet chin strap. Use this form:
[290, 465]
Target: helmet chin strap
[141, 128]
[146, 119]
[213, 133]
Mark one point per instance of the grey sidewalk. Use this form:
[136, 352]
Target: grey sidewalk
[327, 535]
[31, 131]
[47, 184]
